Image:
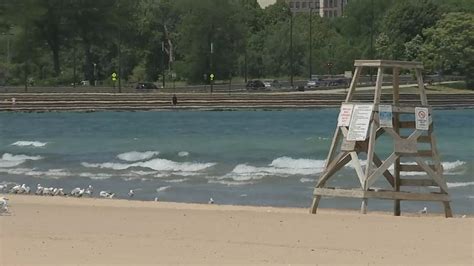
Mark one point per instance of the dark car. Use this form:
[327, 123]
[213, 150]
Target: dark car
[146, 86]
[255, 85]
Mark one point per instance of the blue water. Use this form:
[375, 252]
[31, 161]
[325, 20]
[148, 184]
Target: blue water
[269, 158]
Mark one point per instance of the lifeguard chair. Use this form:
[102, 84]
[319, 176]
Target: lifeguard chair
[360, 125]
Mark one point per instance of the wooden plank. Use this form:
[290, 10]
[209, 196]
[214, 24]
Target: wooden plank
[390, 178]
[343, 193]
[436, 158]
[447, 209]
[315, 204]
[341, 160]
[418, 183]
[396, 129]
[389, 195]
[358, 168]
[334, 143]
[353, 86]
[370, 153]
[421, 139]
[421, 87]
[396, 86]
[414, 168]
[384, 167]
[438, 179]
[388, 64]
[378, 86]
[392, 195]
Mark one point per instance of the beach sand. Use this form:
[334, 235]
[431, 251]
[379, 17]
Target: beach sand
[60, 231]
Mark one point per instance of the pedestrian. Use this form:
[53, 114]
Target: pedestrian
[174, 100]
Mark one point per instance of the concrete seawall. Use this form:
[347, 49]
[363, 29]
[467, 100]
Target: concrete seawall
[38, 102]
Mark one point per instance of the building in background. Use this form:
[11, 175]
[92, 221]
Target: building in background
[325, 8]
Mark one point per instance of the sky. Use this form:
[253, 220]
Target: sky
[265, 3]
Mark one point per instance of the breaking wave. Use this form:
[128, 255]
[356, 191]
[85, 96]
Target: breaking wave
[10, 160]
[24, 143]
[460, 184]
[282, 167]
[179, 168]
[135, 156]
[183, 154]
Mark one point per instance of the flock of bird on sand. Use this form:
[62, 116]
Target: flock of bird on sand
[51, 191]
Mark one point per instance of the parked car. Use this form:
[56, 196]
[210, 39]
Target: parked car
[255, 85]
[146, 86]
[271, 83]
[338, 82]
[313, 83]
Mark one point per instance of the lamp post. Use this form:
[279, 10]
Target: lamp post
[211, 67]
[163, 63]
[291, 48]
[93, 74]
[310, 42]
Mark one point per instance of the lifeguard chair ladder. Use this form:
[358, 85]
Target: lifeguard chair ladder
[349, 142]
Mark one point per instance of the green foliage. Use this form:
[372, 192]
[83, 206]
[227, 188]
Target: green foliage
[448, 47]
[404, 21]
[145, 38]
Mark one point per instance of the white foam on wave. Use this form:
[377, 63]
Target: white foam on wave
[114, 166]
[183, 154]
[182, 180]
[183, 169]
[460, 184]
[230, 183]
[162, 189]
[282, 167]
[135, 156]
[49, 174]
[25, 143]
[96, 176]
[306, 180]
[9, 160]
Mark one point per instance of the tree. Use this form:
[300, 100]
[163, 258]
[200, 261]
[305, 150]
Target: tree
[448, 46]
[404, 21]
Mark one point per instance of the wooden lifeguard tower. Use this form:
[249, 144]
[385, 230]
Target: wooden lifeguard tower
[360, 125]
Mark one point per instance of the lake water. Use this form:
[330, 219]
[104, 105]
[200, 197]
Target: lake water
[264, 158]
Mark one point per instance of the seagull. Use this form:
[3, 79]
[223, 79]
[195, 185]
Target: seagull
[16, 189]
[39, 189]
[3, 205]
[89, 190]
[131, 193]
[3, 187]
[211, 201]
[424, 211]
[25, 189]
[58, 192]
[106, 194]
[77, 192]
[156, 199]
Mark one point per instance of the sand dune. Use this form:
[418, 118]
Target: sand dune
[59, 231]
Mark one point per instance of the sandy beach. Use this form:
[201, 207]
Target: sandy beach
[60, 231]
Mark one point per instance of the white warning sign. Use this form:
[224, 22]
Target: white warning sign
[360, 122]
[345, 115]
[422, 116]
[386, 116]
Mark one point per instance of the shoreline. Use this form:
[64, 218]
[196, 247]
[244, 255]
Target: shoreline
[45, 230]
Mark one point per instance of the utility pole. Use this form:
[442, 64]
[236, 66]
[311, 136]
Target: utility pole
[120, 62]
[74, 64]
[163, 63]
[310, 42]
[291, 48]
[211, 67]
